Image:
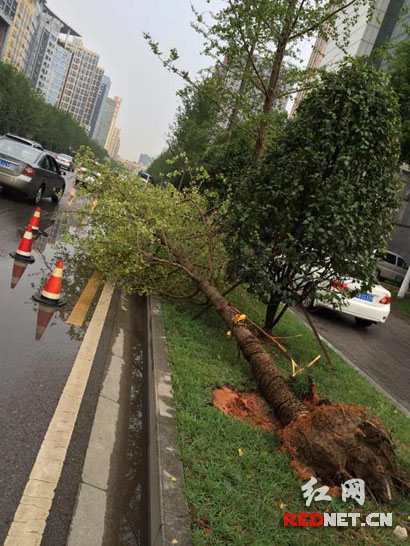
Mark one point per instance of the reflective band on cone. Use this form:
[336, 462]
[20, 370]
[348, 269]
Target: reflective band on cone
[51, 293]
[23, 251]
[35, 220]
[52, 289]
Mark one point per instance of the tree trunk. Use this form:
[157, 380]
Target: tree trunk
[334, 442]
[274, 387]
[271, 310]
[235, 111]
[273, 83]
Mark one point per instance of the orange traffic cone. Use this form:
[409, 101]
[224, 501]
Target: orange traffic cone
[35, 221]
[23, 251]
[51, 294]
[44, 315]
[18, 270]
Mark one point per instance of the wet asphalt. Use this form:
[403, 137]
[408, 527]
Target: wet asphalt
[382, 351]
[32, 372]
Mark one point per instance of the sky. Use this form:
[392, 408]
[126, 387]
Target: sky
[114, 29]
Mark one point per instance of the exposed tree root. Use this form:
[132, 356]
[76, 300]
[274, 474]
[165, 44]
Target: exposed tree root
[336, 442]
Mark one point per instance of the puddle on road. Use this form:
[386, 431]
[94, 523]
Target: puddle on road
[133, 525]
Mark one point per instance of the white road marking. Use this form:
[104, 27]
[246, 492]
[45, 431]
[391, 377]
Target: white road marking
[31, 515]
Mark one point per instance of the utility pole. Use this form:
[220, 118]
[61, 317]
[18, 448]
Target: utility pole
[404, 285]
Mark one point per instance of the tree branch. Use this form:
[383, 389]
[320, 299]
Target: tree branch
[248, 51]
[321, 22]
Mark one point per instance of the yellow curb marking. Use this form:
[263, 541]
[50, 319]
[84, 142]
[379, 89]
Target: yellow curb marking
[31, 515]
[78, 314]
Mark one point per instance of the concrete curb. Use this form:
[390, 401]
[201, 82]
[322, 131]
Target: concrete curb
[361, 372]
[169, 518]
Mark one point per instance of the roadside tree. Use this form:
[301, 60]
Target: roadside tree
[322, 204]
[257, 40]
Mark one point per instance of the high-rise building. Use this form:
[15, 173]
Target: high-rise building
[113, 144]
[316, 57]
[363, 35]
[8, 10]
[105, 120]
[82, 83]
[48, 62]
[16, 48]
[112, 135]
[42, 50]
[108, 122]
[102, 96]
[117, 146]
[59, 65]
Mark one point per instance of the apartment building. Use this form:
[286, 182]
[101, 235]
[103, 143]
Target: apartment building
[59, 66]
[315, 60]
[107, 122]
[113, 143]
[43, 47]
[112, 133]
[104, 123]
[16, 49]
[8, 10]
[102, 97]
[82, 84]
[48, 61]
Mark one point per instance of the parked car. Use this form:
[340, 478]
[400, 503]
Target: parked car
[65, 162]
[23, 140]
[30, 171]
[146, 176]
[368, 308]
[392, 268]
[84, 176]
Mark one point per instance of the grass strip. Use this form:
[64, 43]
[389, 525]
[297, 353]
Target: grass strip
[240, 500]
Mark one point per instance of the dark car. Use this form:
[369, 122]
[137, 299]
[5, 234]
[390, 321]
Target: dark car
[65, 162]
[146, 176]
[26, 141]
[29, 170]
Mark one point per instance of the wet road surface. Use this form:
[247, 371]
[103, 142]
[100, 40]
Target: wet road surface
[32, 372]
[381, 351]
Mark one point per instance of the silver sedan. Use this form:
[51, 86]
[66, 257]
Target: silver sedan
[30, 171]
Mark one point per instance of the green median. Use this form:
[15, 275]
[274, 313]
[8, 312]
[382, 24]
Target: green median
[237, 482]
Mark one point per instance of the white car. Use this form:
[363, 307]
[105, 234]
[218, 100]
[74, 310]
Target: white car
[368, 308]
[65, 162]
[84, 176]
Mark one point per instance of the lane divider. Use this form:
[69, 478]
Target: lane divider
[80, 310]
[31, 515]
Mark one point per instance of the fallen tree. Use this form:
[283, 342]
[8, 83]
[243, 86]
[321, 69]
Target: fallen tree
[156, 240]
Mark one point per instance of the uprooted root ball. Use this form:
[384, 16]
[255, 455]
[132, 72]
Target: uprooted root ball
[337, 442]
